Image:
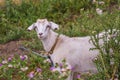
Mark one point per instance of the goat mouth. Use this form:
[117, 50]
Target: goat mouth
[40, 36]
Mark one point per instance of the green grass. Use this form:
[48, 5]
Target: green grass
[75, 17]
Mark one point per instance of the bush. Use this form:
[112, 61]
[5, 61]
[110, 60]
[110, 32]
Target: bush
[108, 62]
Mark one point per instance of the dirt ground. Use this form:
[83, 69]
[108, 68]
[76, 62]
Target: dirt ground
[10, 48]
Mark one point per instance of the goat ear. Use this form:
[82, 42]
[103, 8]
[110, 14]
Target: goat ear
[31, 27]
[54, 26]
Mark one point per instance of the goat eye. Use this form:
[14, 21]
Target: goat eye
[48, 26]
[35, 27]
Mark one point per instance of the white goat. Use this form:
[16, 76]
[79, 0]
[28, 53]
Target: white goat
[75, 50]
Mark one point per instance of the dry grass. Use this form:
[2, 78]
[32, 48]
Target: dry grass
[17, 2]
[2, 2]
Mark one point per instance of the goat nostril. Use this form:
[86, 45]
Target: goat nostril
[28, 30]
[40, 33]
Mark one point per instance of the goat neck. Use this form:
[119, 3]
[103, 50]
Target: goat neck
[49, 41]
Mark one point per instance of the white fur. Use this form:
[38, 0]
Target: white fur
[75, 50]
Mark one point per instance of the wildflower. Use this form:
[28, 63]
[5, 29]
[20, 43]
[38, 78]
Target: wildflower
[78, 76]
[39, 70]
[101, 2]
[69, 67]
[99, 11]
[4, 62]
[95, 59]
[93, 32]
[26, 56]
[9, 59]
[60, 65]
[23, 57]
[63, 75]
[94, 1]
[63, 70]
[53, 69]
[10, 65]
[0, 64]
[82, 9]
[47, 61]
[57, 69]
[112, 61]
[31, 74]
[24, 69]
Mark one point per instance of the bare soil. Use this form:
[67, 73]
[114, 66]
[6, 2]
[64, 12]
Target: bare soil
[10, 48]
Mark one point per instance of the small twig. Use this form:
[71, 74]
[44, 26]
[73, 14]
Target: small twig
[114, 71]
